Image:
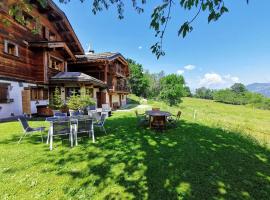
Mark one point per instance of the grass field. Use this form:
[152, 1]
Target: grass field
[220, 152]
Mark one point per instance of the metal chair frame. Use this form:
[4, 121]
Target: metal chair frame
[27, 130]
[101, 123]
[52, 132]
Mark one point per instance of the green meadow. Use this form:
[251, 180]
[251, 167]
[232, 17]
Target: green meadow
[217, 152]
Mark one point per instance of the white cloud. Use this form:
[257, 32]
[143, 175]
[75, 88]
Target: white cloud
[211, 79]
[214, 80]
[180, 72]
[140, 47]
[190, 67]
[233, 79]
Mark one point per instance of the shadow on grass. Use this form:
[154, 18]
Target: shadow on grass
[190, 162]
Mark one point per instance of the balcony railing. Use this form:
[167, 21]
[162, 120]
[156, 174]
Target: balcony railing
[119, 88]
[119, 71]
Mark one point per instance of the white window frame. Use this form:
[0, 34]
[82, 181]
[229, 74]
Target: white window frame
[6, 43]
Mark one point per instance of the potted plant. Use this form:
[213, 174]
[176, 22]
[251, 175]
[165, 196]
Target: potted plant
[73, 103]
[56, 103]
[85, 102]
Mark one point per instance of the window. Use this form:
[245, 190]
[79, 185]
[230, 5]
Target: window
[39, 94]
[11, 48]
[45, 33]
[4, 93]
[74, 90]
[56, 63]
[52, 36]
[89, 92]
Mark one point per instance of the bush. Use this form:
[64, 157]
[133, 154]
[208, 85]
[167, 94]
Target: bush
[79, 102]
[56, 102]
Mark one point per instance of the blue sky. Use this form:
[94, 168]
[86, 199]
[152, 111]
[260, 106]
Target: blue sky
[234, 49]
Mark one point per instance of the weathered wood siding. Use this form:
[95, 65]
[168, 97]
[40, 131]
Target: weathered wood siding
[31, 64]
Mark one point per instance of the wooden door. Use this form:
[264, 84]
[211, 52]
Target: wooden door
[120, 99]
[26, 101]
[98, 99]
[101, 99]
[110, 99]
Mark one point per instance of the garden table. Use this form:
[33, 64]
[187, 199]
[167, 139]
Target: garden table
[73, 124]
[159, 117]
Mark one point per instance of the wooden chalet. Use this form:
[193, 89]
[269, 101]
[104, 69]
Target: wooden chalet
[33, 59]
[112, 69]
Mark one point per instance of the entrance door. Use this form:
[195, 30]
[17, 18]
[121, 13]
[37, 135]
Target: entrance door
[26, 101]
[101, 99]
[110, 99]
[120, 99]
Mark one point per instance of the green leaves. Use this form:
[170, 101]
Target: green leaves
[185, 28]
[172, 89]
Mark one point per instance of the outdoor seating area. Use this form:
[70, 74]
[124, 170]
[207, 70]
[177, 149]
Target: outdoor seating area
[157, 119]
[70, 125]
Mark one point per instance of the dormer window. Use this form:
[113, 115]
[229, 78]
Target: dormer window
[11, 48]
[52, 36]
[56, 63]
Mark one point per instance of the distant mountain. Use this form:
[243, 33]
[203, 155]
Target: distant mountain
[262, 88]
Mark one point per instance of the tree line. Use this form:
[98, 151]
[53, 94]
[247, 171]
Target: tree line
[169, 88]
[236, 95]
[172, 87]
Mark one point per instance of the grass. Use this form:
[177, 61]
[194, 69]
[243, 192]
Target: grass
[216, 155]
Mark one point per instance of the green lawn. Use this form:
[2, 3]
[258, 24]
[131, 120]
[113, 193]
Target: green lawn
[222, 153]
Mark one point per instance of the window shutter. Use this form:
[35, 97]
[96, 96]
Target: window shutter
[3, 93]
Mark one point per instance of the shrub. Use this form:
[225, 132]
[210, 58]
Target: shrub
[56, 102]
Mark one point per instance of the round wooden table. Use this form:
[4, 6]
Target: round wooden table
[158, 117]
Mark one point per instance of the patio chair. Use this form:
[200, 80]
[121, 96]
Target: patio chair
[101, 123]
[84, 125]
[60, 128]
[142, 119]
[94, 114]
[27, 130]
[106, 109]
[173, 119]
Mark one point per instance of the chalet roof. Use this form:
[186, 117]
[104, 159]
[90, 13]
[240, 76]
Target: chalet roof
[59, 18]
[76, 77]
[93, 57]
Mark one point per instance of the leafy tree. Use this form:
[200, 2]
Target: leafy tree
[172, 89]
[154, 83]
[239, 88]
[204, 93]
[187, 92]
[137, 81]
[161, 14]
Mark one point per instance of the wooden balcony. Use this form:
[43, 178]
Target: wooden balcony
[119, 71]
[119, 88]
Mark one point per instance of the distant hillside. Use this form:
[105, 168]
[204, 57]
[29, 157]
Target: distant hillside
[262, 88]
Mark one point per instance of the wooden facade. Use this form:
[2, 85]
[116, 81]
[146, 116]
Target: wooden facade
[112, 69]
[28, 58]
[55, 41]
[34, 52]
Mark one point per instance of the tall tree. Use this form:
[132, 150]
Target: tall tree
[239, 88]
[154, 83]
[161, 14]
[172, 89]
[137, 81]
